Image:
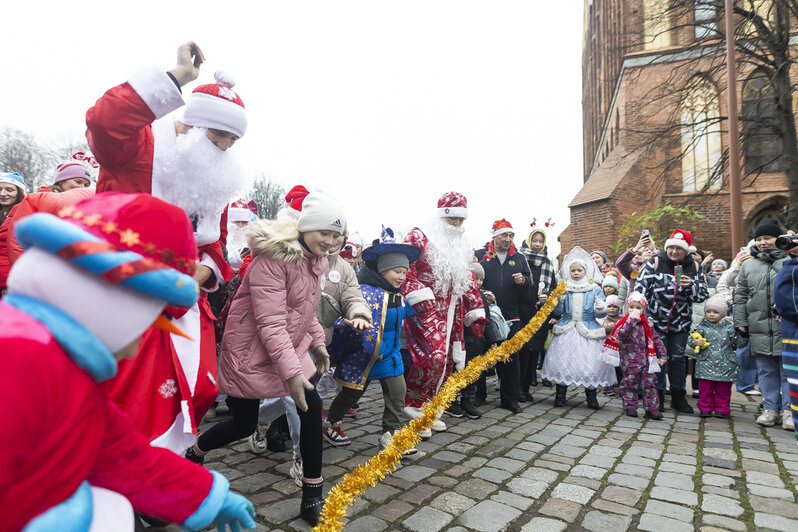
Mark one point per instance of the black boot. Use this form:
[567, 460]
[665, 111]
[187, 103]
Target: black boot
[592, 402]
[679, 403]
[312, 503]
[559, 395]
[661, 395]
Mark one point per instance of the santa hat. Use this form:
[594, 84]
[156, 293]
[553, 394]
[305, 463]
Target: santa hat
[349, 251]
[238, 211]
[13, 178]
[500, 227]
[296, 196]
[70, 169]
[216, 106]
[682, 239]
[452, 205]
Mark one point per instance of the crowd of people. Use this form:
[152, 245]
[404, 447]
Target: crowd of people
[134, 308]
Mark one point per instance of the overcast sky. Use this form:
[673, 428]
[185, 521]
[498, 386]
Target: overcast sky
[385, 105]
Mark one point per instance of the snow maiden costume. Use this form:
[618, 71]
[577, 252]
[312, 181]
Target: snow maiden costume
[574, 355]
[79, 297]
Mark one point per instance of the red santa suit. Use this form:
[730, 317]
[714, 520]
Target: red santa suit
[435, 339]
[171, 384]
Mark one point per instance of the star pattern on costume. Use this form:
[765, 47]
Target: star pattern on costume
[92, 220]
[129, 237]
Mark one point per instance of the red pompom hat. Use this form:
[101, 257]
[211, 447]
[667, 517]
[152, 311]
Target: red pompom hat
[500, 227]
[296, 196]
[453, 205]
[681, 238]
[217, 106]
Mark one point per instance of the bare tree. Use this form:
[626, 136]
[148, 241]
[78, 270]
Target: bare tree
[765, 59]
[268, 196]
[21, 152]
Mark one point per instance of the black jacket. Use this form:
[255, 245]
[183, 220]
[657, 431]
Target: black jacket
[515, 300]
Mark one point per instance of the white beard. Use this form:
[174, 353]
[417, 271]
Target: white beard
[450, 256]
[197, 176]
[236, 238]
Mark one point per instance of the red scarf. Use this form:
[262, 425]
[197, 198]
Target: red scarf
[491, 254]
[612, 340]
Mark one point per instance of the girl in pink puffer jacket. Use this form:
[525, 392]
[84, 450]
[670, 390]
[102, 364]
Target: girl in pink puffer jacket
[270, 329]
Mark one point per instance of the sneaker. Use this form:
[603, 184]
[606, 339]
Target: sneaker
[335, 435]
[296, 471]
[425, 434]
[631, 412]
[257, 440]
[695, 394]
[469, 409]
[720, 415]
[454, 410]
[704, 413]
[768, 418]
[351, 413]
[385, 441]
[786, 420]
[438, 426]
[653, 414]
[194, 456]
[412, 412]
[752, 392]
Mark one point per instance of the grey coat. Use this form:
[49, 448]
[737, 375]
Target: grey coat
[753, 301]
[718, 361]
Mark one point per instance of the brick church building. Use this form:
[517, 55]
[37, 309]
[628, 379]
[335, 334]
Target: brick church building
[655, 127]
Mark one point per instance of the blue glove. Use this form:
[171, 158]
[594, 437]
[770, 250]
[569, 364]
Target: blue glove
[235, 509]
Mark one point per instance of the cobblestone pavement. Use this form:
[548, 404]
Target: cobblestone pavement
[551, 469]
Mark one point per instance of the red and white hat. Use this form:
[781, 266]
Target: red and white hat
[216, 106]
[681, 238]
[452, 204]
[296, 196]
[238, 211]
[500, 227]
[349, 251]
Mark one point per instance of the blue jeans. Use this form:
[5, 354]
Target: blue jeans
[773, 383]
[677, 364]
[748, 367]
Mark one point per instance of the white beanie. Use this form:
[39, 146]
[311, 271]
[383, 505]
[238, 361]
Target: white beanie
[321, 213]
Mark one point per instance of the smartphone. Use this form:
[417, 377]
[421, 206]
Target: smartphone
[678, 271]
[645, 233]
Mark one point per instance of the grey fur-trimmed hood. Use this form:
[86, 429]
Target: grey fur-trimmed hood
[277, 239]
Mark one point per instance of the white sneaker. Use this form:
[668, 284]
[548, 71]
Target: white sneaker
[257, 440]
[412, 412]
[786, 420]
[296, 471]
[385, 441]
[768, 418]
[425, 434]
[752, 392]
[438, 426]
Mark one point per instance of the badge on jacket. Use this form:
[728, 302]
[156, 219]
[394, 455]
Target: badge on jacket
[334, 276]
[512, 263]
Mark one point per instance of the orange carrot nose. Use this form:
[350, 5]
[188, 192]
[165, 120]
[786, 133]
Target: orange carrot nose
[163, 323]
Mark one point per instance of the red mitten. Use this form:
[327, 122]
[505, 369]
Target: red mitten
[478, 327]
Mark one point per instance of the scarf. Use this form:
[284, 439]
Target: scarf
[610, 352]
[491, 251]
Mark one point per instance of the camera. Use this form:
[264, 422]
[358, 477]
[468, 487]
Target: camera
[787, 242]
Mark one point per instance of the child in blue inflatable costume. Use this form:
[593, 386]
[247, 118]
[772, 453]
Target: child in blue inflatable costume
[362, 357]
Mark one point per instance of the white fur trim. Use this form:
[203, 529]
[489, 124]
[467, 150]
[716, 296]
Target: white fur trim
[473, 315]
[110, 511]
[502, 231]
[178, 437]
[237, 214]
[425, 294]
[157, 90]
[209, 262]
[213, 112]
[453, 212]
[678, 243]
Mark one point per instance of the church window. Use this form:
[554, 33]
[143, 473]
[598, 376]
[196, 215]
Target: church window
[701, 141]
[706, 19]
[761, 139]
[657, 24]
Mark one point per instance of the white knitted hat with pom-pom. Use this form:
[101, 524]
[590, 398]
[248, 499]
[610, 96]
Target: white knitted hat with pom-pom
[217, 106]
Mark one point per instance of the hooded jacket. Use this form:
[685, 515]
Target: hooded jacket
[272, 320]
[754, 299]
[342, 286]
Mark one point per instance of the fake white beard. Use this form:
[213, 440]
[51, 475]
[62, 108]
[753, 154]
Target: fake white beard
[115, 315]
[236, 238]
[450, 256]
[197, 176]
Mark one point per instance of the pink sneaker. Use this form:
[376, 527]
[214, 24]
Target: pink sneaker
[351, 412]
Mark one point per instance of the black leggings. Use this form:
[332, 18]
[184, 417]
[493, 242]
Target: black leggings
[245, 421]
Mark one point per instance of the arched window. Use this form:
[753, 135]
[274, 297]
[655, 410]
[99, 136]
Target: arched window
[656, 24]
[761, 139]
[701, 144]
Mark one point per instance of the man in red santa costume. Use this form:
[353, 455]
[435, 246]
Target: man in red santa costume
[90, 283]
[441, 287]
[239, 214]
[184, 162]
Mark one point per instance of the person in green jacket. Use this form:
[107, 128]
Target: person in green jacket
[755, 316]
[716, 367]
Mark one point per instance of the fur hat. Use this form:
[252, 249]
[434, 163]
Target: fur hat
[718, 304]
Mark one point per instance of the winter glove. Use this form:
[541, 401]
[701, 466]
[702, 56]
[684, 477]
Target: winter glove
[296, 388]
[599, 307]
[235, 509]
[322, 359]
[459, 357]
[478, 327]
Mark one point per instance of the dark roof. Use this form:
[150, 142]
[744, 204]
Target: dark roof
[606, 177]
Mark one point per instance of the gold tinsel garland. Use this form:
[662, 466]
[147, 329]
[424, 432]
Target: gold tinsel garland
[368, 474]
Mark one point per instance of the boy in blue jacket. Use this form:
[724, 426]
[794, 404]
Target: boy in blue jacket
[362, 357]
[786, 299]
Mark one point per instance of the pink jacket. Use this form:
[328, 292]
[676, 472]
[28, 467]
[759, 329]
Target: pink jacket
[272, 319]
